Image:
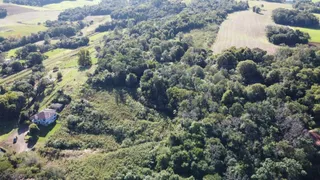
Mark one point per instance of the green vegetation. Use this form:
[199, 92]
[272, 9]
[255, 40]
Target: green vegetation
[153, 102]
[314, 33]
[21, 30]
[287, 36]
[295, 18]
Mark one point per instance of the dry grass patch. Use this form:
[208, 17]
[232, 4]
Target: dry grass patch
[247, 29]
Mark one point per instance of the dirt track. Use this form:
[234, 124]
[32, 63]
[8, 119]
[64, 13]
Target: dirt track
[20, 145]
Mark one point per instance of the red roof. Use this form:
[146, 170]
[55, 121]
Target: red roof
[45, 114]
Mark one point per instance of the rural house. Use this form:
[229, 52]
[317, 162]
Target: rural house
[45, 117]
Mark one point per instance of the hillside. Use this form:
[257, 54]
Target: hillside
[157, 89]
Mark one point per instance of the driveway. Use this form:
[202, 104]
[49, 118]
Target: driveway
[20, 145]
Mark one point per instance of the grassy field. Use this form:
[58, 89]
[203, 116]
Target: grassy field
[247, 29]
[314, 33]
[24, 20]
[20, 30]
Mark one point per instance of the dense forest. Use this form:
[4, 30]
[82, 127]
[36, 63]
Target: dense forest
[185, 113]
[284, 35]
[34, 2]
[295, 18]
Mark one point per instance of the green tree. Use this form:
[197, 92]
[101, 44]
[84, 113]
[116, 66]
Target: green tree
[131, 80]
[33, 130]
[256, 92]
[34, 58]
[84, 58]
[59, 76]
[227, 61]
[248, 70]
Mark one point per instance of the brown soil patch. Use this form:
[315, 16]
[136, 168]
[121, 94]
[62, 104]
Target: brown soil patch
[315, 136]
[20, 146]
[13, 9]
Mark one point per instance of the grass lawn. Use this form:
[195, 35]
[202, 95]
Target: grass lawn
[46, 132]
[314, 34]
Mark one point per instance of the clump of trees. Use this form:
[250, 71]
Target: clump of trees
[3, 13]
[294, 18]
[284, 35]
[256, 9]
[11, 104]
[84, 58]
[308, 6]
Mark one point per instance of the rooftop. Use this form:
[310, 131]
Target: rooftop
[45, 114]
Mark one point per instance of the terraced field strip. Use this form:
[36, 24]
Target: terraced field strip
[46, 63]
[50, 62]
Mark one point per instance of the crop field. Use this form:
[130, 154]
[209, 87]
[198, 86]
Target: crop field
[247, 29]
[24, 20]
[15, 9]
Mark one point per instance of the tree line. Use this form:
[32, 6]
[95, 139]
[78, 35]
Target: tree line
[309, 6]
[284, 35]
[294, 18]
[34, 2]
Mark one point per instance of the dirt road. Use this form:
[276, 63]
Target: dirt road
[20, 145]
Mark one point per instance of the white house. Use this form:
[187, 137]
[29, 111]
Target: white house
[45, 117]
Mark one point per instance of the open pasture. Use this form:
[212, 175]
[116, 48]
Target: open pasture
[247, 29]
[14, 9]
[24, 20]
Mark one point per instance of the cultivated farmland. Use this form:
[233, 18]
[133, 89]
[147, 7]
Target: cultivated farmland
[24, 20]
[247, 29]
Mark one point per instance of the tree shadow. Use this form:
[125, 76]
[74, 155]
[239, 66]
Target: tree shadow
[32, 142]
[44, 130]
[7, 127]
[22, 129]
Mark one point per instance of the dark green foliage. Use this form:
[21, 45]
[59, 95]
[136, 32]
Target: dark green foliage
[33, 130]
[3, 13]
[11, 103]
[84, 59]
[308, 6]
[173, 110]
[294, 18]
[35, 58]
[287, 36]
